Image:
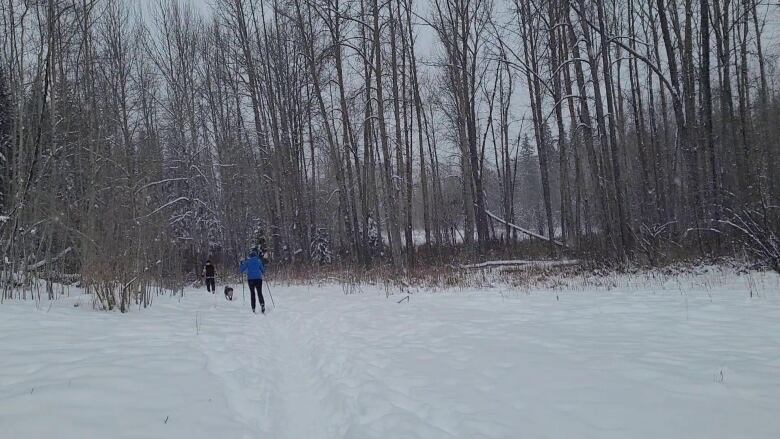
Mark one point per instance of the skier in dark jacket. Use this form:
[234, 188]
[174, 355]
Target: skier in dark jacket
[209, 272]
[254, 269]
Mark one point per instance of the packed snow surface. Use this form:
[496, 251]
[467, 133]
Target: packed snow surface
[678, 357]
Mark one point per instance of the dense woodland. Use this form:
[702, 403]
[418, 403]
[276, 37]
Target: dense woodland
[138, 138]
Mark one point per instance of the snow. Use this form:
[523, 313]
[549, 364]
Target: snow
[631, 356]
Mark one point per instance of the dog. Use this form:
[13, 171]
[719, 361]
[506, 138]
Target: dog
[228, 293]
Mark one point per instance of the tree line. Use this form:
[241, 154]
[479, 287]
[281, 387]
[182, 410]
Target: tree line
[139, 137]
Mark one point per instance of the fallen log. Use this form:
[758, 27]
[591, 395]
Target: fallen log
[522, 230]
[520, 263]
[40, 264]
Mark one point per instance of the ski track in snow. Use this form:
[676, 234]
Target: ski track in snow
[687, 358]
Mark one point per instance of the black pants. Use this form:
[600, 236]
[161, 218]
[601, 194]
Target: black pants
[256, 285]
[211, 284]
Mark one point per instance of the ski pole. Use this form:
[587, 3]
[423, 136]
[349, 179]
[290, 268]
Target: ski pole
[268, 287]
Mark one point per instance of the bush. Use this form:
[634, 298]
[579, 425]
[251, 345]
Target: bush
[759, 231]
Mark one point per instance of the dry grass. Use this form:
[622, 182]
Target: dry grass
[546, 275]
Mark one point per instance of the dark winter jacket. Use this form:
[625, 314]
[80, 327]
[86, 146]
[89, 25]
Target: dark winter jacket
[253, 267]
[208, 270]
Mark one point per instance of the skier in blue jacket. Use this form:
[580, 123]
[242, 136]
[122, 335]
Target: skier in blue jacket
[254, 269]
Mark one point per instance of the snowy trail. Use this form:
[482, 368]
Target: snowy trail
[301, 413]
[693, 357]
[264, 364]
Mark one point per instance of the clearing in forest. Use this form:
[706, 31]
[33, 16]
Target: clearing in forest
[678, 357]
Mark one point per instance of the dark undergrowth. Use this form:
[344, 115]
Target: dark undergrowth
[452, 267]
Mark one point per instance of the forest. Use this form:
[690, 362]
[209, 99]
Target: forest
[138, 138]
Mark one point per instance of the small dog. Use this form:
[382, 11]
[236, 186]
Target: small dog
[228, 293]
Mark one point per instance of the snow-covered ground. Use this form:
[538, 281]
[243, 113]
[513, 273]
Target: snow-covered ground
[680, 357]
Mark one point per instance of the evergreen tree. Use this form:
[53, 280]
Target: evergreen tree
[374, 240]
[320, 247]
[530, 196]
[5, 138]
[258, 242]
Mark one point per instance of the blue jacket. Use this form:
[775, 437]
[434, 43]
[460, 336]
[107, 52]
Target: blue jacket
[253, 267]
